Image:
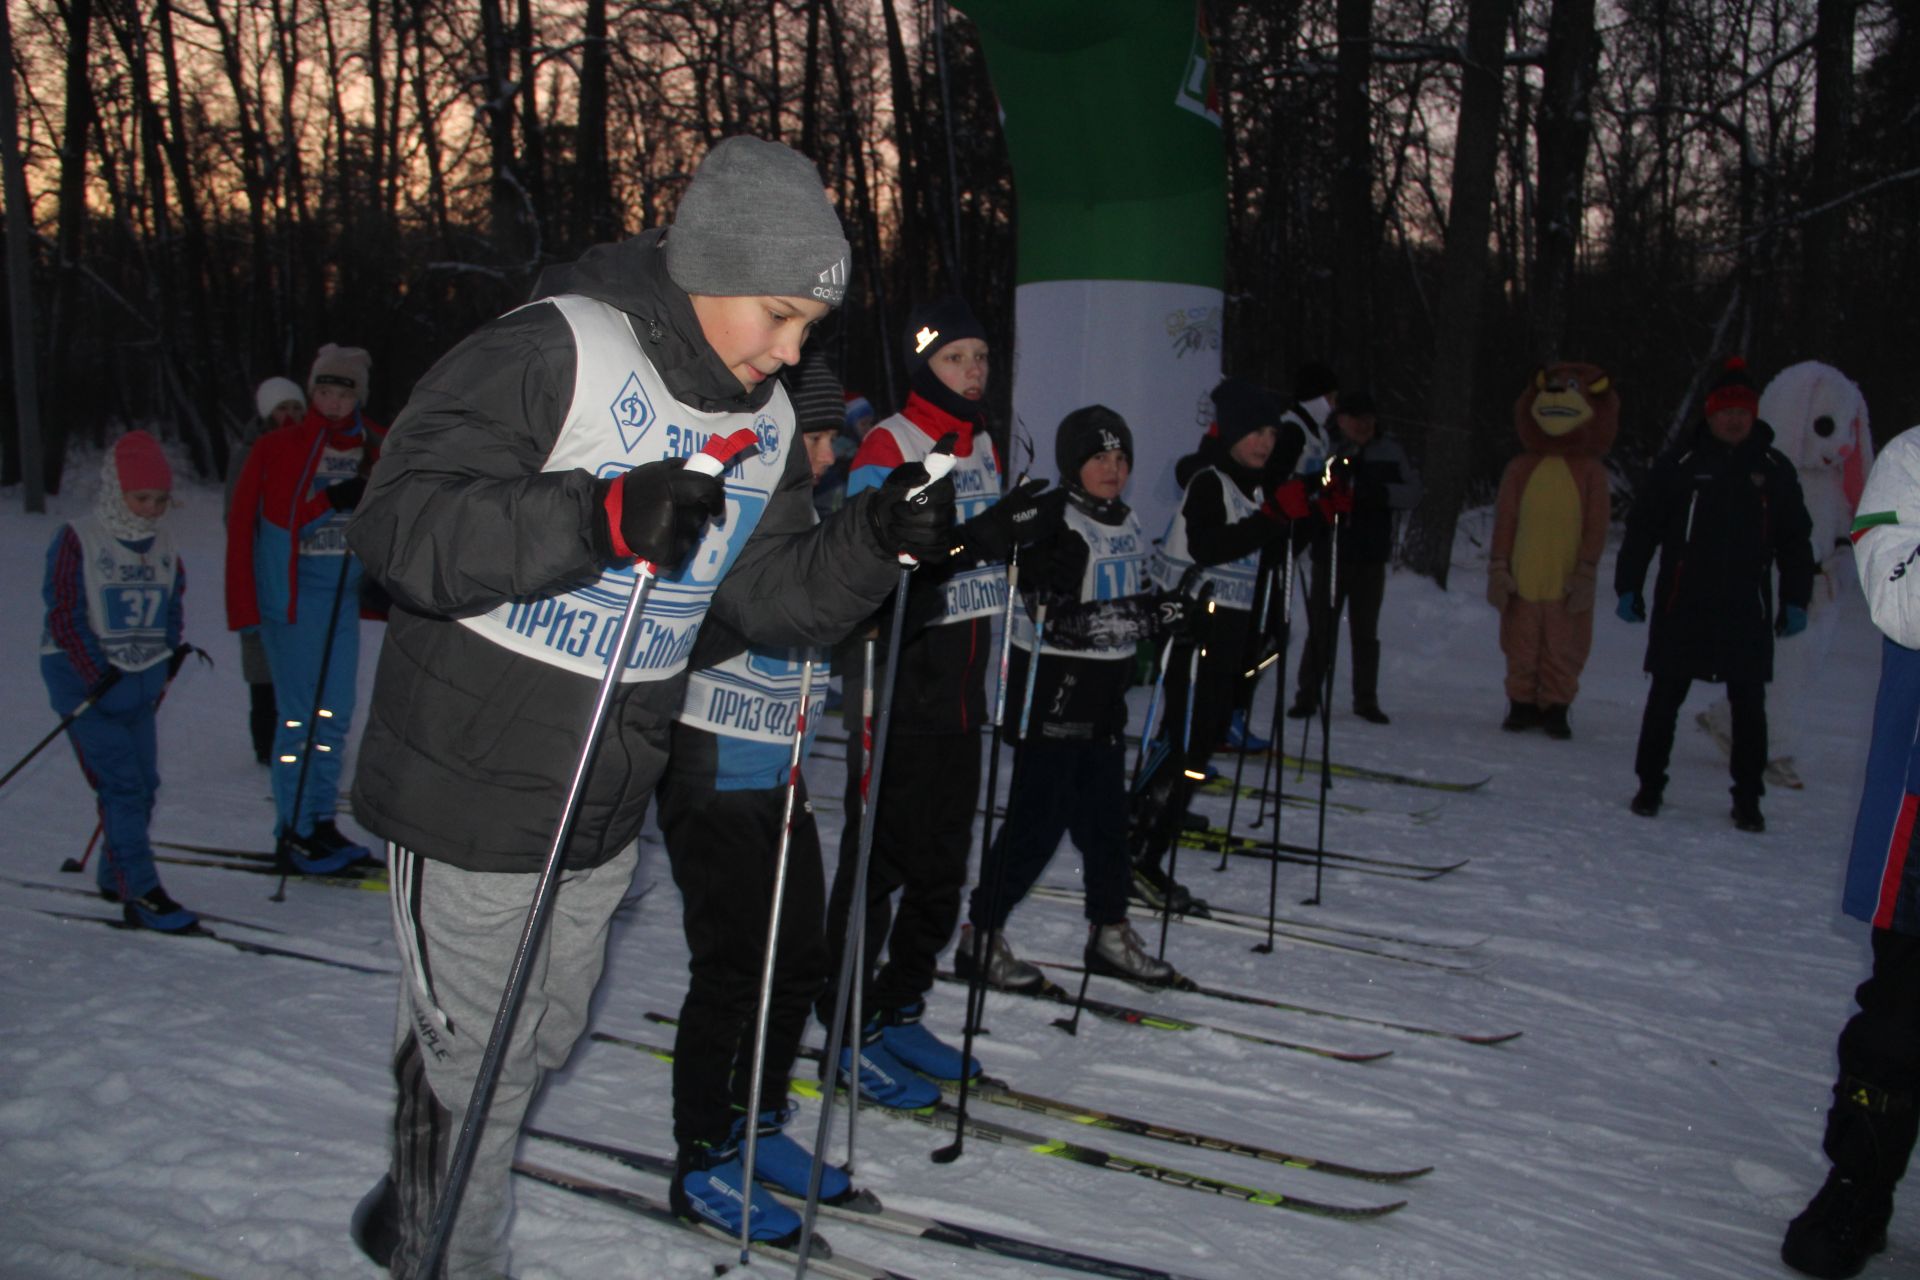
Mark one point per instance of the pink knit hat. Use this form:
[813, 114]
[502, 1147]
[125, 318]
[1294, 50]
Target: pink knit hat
[141, 464]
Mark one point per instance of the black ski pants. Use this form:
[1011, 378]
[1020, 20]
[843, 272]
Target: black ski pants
[1059, 788]
[724, 848]
[1165, 788]
[1748, 761]
[923, 830]
[1360, 592]
[1872, 1124]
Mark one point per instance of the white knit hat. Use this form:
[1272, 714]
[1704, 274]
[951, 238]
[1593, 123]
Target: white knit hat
[276, 391]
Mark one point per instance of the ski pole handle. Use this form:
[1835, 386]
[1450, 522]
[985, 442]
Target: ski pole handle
[937, 464]
[714, 457]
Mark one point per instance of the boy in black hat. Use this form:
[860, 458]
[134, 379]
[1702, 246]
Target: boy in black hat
[1069, 776]
[1224, 523]
[931, 783]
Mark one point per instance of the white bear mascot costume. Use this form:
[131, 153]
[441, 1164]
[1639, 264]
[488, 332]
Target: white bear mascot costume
[1819, 420]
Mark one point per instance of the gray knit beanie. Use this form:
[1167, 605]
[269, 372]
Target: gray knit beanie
[755, 220]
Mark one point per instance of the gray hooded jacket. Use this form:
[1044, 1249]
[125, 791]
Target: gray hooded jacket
[469, 747]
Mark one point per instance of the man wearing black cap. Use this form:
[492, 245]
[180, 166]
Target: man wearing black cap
[1721, 509]
[533, 465]
[931, 783]
[1383, 483]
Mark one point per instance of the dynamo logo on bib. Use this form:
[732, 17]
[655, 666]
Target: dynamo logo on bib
[632, 412]
[768, 432]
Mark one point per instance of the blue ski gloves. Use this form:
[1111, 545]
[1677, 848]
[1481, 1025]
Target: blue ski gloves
[1793, 620]
[1632, 607]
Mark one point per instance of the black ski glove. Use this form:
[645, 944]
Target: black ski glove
[1173, 614]
[658, 510]
[920, 526]
[344, 495]
[179, 659]
[1020, 517]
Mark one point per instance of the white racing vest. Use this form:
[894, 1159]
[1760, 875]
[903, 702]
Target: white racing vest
[974, 593]
[622, 416]
[1232, 582]
[1116, 569]
[754, 696]
[128, 594]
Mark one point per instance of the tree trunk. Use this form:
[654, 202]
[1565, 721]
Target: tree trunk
[594, 220]
[20, 327]
[1822, 297]
[1462, 290]
[1564, 129]
[1358, 228]
[70, 238]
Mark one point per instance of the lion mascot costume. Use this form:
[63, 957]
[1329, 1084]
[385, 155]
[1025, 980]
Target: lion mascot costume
[1819, 421]
[1549, 530]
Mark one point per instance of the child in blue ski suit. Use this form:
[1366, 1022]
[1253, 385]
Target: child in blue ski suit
[113, 591]
[291, 579]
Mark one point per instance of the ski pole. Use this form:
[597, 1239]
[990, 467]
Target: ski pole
[1072, 1025]
[857, 908]
[282, 853]
[1154, 700]
[712, 460]
[937, 464]
[1280, 775]
[1326, 702]
[1263, 609]
[86, 705]
[79, 864]
[977, 986]
[757, 1078]
[1183, 784]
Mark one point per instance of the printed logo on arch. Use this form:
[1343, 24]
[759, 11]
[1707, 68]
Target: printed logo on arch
[632, 412]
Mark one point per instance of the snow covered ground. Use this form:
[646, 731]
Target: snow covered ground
[172, 1107]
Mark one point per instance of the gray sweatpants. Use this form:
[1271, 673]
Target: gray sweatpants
[457, 931]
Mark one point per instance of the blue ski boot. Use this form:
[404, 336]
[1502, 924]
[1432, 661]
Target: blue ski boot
[707, 1189]
[904, 1037]
[784, 1164]
[884, 1078]
[155, 910]
[1241, 738]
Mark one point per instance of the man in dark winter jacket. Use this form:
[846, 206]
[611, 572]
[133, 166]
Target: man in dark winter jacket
[1875, 1115]
[1384, 484]
[1722, 510]
[532, 466]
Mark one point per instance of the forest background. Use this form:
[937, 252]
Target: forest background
[1433, 195]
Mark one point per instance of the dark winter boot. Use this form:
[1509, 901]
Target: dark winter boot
[1554, 721]
[1747, 815]
[1153, 886]
[1870, 1135]
[1117, 951]
[1646, 801]
[375, 1225]
[1371, 713]
[1521, 716]
[1004, 969]
[1303, 708]
[154, 909]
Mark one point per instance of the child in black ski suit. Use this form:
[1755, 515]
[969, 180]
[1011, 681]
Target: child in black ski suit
[1070, 759]
[1224, 521]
